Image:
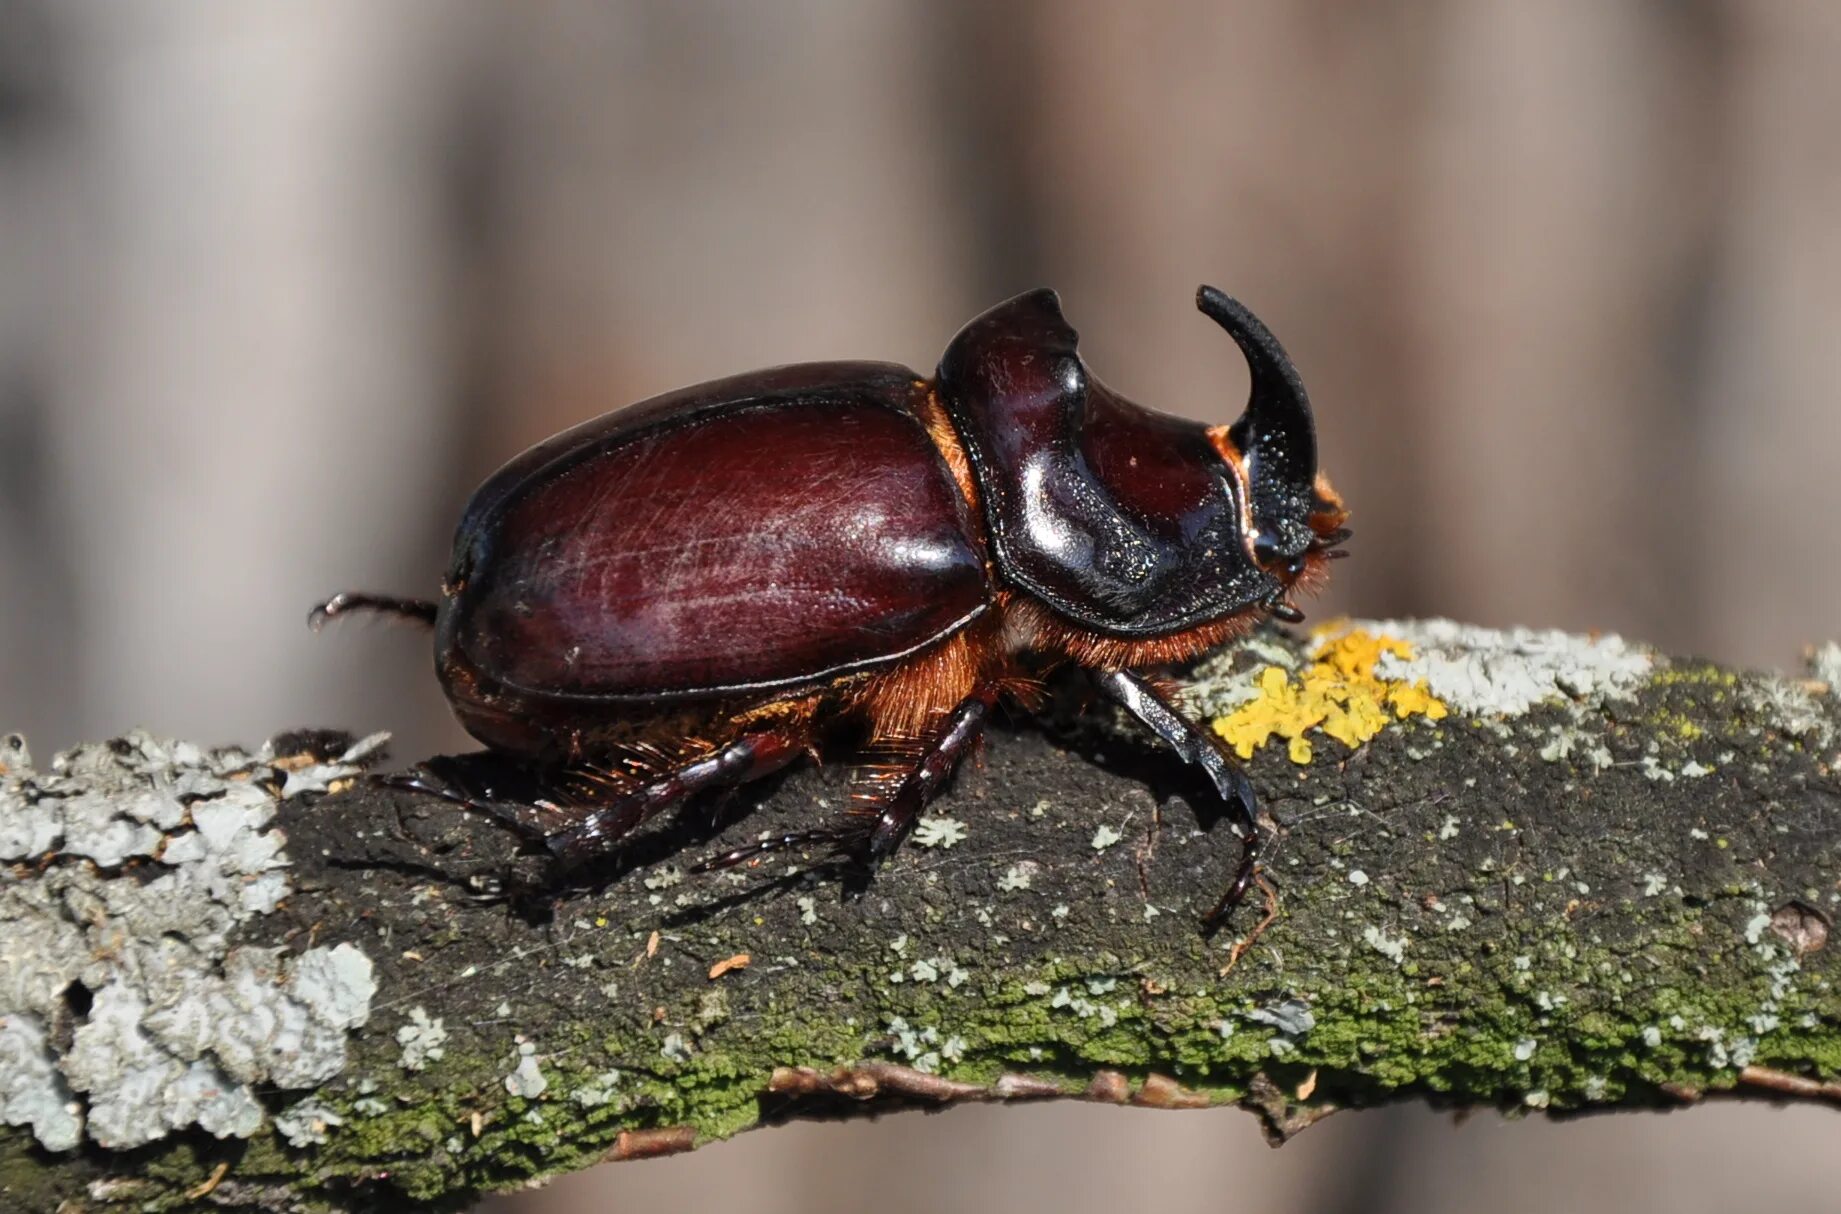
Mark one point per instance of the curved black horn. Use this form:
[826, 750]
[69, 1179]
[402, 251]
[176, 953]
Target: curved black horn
[1276, 434]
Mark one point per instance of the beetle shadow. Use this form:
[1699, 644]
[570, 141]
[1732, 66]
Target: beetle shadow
[1142, 762]
[1067, 722]
[850, 874]
[688, 835]
[695, 823]
[1161, 773]
[846, 872]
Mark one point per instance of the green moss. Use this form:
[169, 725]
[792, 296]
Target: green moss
[1670, 723]
[1695, 674]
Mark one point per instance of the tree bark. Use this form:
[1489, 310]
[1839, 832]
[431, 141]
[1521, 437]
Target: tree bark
[1550, 873]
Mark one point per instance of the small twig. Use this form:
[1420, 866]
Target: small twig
[1259, 929]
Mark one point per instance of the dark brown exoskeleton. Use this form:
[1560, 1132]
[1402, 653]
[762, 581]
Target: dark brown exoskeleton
[684, 593]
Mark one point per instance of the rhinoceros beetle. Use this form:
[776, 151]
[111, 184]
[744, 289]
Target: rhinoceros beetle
[687, 592]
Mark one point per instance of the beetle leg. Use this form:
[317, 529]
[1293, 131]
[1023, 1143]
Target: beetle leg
[748, 758]
[876, 837]
[527, 796]
[1196, 745]
[416, 611]
[838, 833]
[598, 810]
[924, 780]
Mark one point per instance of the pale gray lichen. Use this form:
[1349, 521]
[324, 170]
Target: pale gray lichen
[138, 858]
[1391, 947]
[1825, 665]
[423, 1039]
[307, 1123]
[526, 1079]
[597, 1091]
[1292, 1017]
[922, 1047]
[1792, 708]
[1756, 926]
[939, 831]
[1490, 672]
[1084, 1007]
[1230, 677]
[1018, 876]
[36, 1094]
[664, 878]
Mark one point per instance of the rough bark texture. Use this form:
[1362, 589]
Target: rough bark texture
[1615, 894]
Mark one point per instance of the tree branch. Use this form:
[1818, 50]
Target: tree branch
[1550, 873]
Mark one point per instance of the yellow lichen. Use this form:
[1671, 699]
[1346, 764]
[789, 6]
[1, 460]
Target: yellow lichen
[1339, 694]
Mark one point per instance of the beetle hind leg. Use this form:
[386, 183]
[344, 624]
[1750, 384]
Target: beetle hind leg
[583, 811]
[534, 799]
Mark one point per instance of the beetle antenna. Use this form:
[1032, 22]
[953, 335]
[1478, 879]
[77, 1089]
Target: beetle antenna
[415, 611]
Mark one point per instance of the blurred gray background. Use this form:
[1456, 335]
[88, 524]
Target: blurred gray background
[279, 284]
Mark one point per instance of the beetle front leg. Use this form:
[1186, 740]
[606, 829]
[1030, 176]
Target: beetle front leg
[1196, 745]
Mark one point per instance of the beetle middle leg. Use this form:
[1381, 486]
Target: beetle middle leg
[875, 833]
[742, 761]
[1194, 744]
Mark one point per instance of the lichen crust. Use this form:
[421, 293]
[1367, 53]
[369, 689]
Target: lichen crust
[1489, 672]
[126, 1010]
[1341, 693]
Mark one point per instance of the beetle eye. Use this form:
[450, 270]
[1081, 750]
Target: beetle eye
[1270, 557]
[1265, 549]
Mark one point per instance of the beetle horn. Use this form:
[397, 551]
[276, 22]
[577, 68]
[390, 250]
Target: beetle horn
[1275, 435]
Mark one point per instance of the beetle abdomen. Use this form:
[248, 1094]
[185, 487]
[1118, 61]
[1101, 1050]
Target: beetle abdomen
[772, 540]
